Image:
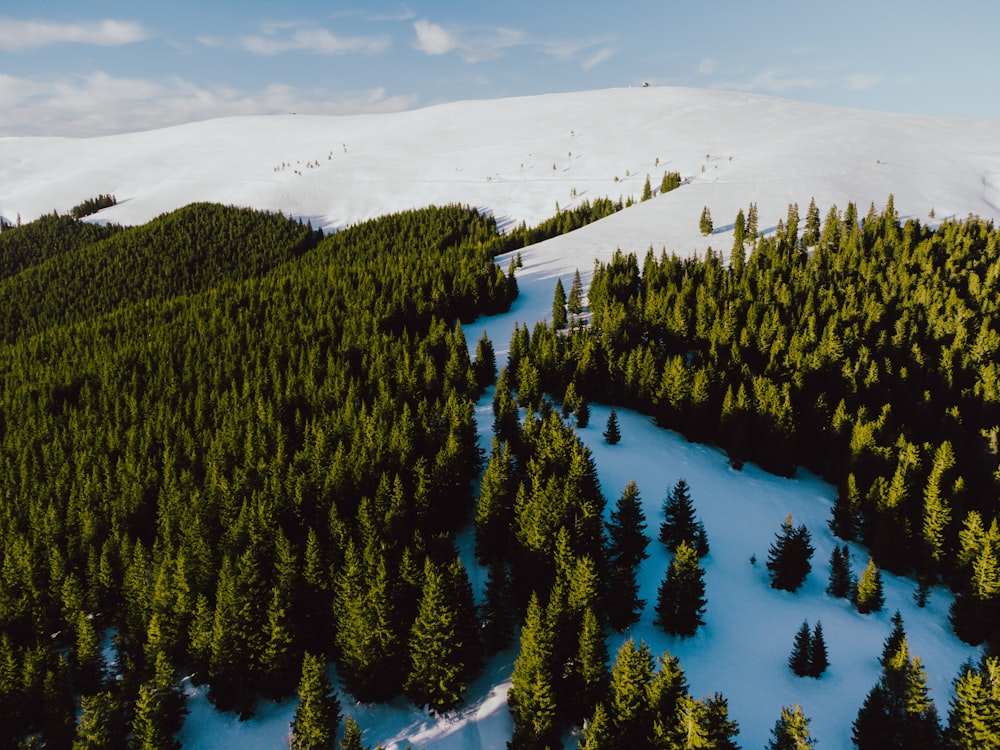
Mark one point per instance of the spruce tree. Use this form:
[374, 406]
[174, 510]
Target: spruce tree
[841, 580]
[612, 433]
[352, 735]
[974, 715]
[868, 596]
[647, 190]
[705, 222]
[574, 302]
[495, 508]
[102, 723]
[680, 523]
[583, 414]
[627, 544]
[798, 661]
[559, 306]
[531, 696]
[680, 601]
[818, 658]
[751, 232]
[317, 715]
[497, 612]
[628, 702]
[788, 558]
[791, 731]
[485, 367]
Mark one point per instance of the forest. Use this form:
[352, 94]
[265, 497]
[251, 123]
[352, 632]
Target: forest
[244, 449]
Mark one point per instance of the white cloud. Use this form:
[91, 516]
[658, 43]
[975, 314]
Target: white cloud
[100, 104]
[861, 81]
[602, 55]
[707, 66]
[280, 38]
[433, 39]
[17, 36]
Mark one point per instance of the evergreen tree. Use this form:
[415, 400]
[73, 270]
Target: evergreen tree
[531, 697]
[102, 723]
[680, 602]
[705, 222]
[317, 715]
[559, 306]
[574, 302]
[647, 190]
[628, 702]
[898, 713]
[791, 731]
[799, 661]
[590, 665]
[598, 733]
[583, 414]
[485, 367]
[159, 710]
[974, 715]
[495, 509]
[893, 640]
[497, 613]
[444, 645]
[818, 659]
[788, 558]
[868, 596]
[627, 544]
[841, 579]
[352, 735]
[751, 233]
[811, 234]
[680, 523]
[612, 433]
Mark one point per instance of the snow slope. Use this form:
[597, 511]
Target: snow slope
[518, 158]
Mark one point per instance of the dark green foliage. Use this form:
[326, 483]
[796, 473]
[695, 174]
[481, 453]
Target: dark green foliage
[680, 524]
[531, 696]
[495, 509]
[317, 715]
[559, 318]
[791, 731]
[818, 659]
[102, 724]
[868, 596]
[497, 612]
[582, 415]
[841, 580]
[788, 558]
[93, 205]
[627, 544]
[898, 713]
[159, 710]
[647, 190]
[563, 222]
[352, 736]
[612, 433]
[574, 303]
[485, 366]
[798, 661]
[47, 237]
[680, 602]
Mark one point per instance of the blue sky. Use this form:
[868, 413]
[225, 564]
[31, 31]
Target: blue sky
[108, 66]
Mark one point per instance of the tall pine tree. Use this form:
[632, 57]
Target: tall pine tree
[680, 602]
[680, 523]
[627, 544]
[317, 715]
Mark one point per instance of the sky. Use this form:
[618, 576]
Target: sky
[109, 66]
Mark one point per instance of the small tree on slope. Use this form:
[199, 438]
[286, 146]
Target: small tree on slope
[788, 559]
[791, 731]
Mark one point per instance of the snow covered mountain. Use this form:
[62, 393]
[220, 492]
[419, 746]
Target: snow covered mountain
[519, 158]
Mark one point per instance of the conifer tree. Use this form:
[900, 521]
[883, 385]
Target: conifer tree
[868, 596]
[531, 697]
[680, 602]
[317, 715]
[497, 612]
[590, 665]
[705, 222]
[628, 702]
[647, 190]
[818, 658]
[583, 414]
[574, 302]
[811, 234]
[495, 509]
[627, 544]
[679, 521]
[788, 558]
[559, 306]
[598, 733]
[751, 232]
[352, 735]
[974, 715]
[102, 723]
[485, 367]
[791, 731]
[159, 710]
[612, 433]
[798, 661]
[841, 580]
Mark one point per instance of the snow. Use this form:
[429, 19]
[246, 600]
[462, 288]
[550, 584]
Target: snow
[518, 158]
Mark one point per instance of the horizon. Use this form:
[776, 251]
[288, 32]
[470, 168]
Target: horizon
[120, 68]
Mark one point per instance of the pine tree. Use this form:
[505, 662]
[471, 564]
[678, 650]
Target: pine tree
[497, 612]
[559, 306]
[352, 735]
[647, 190]
[628, 703]
[590, 665]
[583, 415]
[102, 723]
[680, 523]
[612, 433]
[680, 601]
[751, 233]
[627, 544]
[485, 367]
[575, 301]
[811, 234]
[531, 696]
[317, 715]
[791, 731]
[868, 596]
[444, 646]
[893, 640]
[818, 658]
[974, 715]
[495, 509]
[799, 661]
[159, 710]
[705, 222]
[788, 558]
[598, 733]
[841, 580]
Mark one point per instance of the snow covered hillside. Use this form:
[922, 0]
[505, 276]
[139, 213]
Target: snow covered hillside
[518, 159]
